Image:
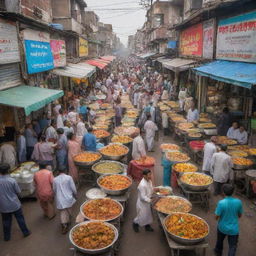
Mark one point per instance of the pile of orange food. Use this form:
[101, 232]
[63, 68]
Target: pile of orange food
[238, 153]
[207, 126]
[204, 120]
[194, 135]
[252, 151]
[177, 157]
[101, 133]
[114, 150]
[100, 126]
[225, 140]
[186, 226]
[242, 161]
[87, 157]
[115, 182]
[146, 161]
[244, 148]
[105, 105]
[93, 235]
[168, 146]
[185, 167]
[121, 139]
[164, 192]
[121, 130]
[170, 204]
[102, 209]
[196, 179]
[185, 126]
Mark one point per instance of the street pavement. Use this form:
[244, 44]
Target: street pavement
[46, 239]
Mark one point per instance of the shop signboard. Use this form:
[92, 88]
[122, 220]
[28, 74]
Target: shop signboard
[236, 38]
[208, 38]
[9, 47]
[83, 47]
[58, 48]
[39, 56]
[172, 45]
[191, 41]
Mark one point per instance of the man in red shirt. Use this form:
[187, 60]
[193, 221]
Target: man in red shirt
[43, 180]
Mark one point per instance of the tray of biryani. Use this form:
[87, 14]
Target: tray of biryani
[237, 153]
[252, 151]
[94, 106]
[114, 184]
[131, 114]
[128, 124]
[101, 134]
[105, 106]
[121, 139]
[103, 209]
[164, 108]
[86, 158]
[196, 181]
[184, 167]
[170, 204]
[186, 228]
[163, 191]
[241, 163]
[178, 119]
[177, 157]
[225, 140]
[129, 131]
[194, 135]
[207, 126]
[93, 237]
[169, 147]
[100, 126]
[108, 167]
[204, 120]
[145, 161]
[173, 104]
[185, 126]
[244, 148]
[114, 151]
[204, 115]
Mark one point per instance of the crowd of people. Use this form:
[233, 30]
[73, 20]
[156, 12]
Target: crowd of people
[63, 132]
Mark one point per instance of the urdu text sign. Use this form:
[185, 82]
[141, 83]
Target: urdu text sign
[83, 47]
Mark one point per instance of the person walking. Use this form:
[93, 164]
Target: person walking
[43, 180]
[21, 147]
[31, 140]
[209, 149]
[228, 212]
[150, 129]
[61, 149]
[221, 169]
[138, 147]
[8, 154]
[89, 141]
[143, 206]
[65, 196]
[10, 203]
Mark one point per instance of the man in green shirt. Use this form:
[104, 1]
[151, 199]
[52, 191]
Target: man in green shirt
[228, 212]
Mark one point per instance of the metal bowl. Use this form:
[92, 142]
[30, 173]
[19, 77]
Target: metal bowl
[84, 164]
[241, 167]
[181, 240]
[193, 187]
[95, 251]
[114, 192]
[107, 161]
[107, 220]
[115, 158]
[180, 173]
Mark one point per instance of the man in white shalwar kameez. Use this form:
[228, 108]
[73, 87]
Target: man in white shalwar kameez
[241, 135]
[221, 169]
[232, 130]
[209, 150]
[8, 154]
[138, 147]
[193, 114]
[150, 129]
[143, 206]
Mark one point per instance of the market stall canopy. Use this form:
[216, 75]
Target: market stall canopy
[109, 58]
[147, 55]
[237, 73]
[97, 63]
[80, 70]
[178, 64]
[28, 97]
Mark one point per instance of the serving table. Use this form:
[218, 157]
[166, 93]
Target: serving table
[176, 248]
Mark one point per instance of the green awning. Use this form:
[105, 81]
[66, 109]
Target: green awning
[28, 97]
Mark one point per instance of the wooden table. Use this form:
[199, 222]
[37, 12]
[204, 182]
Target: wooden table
[177, 247]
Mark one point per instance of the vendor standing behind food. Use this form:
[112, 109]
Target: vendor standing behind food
[193, 114]
[241, 135]
[138, 147]
[144, 213]
[232, 130]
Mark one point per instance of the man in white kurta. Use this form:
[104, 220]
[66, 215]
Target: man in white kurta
[193, 114]
[182, 96]
[138, 148]
[241, 135]
[143, 206]
[209, 150]
[221, 169]
[150, 129]
[232, 130]
[8, 154]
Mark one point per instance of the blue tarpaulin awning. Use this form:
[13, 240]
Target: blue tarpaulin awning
[28, 97]
[237, 73]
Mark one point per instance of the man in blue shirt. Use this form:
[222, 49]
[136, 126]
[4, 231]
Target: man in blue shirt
[83, 111]
[10, 203]
[89, 141]
[228, 212]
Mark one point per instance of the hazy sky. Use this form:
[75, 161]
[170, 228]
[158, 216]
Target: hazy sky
[126, 16]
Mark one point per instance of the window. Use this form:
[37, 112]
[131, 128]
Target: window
[158, 20]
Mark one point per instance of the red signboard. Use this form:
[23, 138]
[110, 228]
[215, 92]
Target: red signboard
[191, 41]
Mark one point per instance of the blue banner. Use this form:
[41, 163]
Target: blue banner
[172, 44]
[38, 56]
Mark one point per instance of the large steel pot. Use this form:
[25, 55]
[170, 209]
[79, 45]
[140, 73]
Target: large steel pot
[96, 251]
[122, 167]
[107, 220]
[85, 164]
[193, 187]
[185, 241]
[113, 192]
[115, 158]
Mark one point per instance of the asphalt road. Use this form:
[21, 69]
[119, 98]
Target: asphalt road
[46, 239]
